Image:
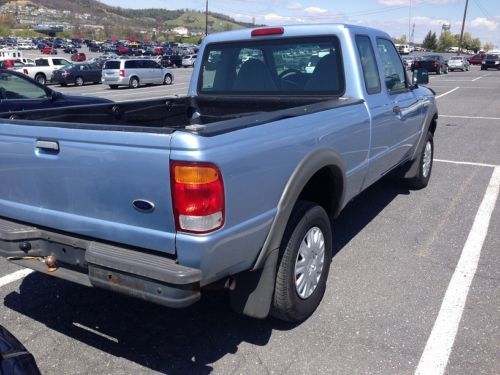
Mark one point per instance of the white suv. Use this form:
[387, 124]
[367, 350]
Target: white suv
[135, 72]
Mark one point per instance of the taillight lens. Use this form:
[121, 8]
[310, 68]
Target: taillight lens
[122, 73]
[197, 196]
[25, 71]
[436, 63]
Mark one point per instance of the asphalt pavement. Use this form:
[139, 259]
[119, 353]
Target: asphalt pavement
[413, 286]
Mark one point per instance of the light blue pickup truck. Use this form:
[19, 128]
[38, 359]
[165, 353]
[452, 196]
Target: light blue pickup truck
[234, 184]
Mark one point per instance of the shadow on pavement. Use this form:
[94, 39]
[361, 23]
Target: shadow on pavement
[162, 339]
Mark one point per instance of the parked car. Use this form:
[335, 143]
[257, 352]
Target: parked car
[48, 51]
[71, 50]
[78, 74]
[79, 56]
[433, 63]
[408, 61]
[11, 63]
[476, 59]
[171, 61]
[19, 93]
[458, 62]
[44, 68]
[135, 72]
[490, 61]
[188, 60]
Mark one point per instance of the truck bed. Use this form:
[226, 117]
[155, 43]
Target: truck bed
[169, 114]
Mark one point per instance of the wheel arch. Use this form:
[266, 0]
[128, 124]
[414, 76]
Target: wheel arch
[319, 178]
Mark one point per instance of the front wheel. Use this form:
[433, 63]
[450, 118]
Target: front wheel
[425, 160]
[304, 262]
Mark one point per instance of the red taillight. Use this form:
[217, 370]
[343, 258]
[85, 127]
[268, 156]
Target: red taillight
[122, 73]
[268, 31]
[436, 63]
[25, 71]
[197, 196]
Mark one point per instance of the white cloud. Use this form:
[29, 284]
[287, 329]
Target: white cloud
[415, 2]
[294, 5]
[484, 23]
[273, 17]
[314, 11]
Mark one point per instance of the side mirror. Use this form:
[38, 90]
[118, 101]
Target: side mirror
[420, 77]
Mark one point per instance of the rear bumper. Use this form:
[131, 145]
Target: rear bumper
[128, 271]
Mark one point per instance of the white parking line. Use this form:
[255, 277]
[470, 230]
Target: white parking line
[467, 163]
[447, 92]
[471, 117]
[478, 78]
[438, 348]
[14, 276]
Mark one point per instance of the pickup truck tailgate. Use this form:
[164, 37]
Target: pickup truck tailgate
[103, 184]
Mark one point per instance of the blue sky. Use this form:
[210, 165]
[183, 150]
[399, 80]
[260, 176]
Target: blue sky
[392, 16]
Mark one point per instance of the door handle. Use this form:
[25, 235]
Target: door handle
[47, 147]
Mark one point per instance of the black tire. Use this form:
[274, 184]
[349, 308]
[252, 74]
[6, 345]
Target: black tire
[41, 79]
[79, 81]
[64, 84]
[423, 175]
[113, 87]
[168, 79]
[445, 70]
[287, 304]
[134, 83]
[438, 71]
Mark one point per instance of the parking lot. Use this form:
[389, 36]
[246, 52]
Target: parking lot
[413, 286]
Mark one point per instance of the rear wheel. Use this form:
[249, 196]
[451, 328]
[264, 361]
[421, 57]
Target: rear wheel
[41, 79]
[79, 81]
[134, 82]
[304, 262]
[112, 87]
[167, 80]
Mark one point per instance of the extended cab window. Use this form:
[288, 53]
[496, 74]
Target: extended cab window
[275, 67]
[394, 71]
[368, 64]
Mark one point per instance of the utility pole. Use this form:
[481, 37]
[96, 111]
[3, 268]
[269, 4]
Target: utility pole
[409, 24]
[206, 17]
[463, 25]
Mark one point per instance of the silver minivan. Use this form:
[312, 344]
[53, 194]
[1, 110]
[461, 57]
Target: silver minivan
[135, 72]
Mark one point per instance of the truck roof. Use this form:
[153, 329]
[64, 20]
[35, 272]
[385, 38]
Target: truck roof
[303, 30]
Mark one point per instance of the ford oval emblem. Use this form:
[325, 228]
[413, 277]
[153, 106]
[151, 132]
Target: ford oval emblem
[143, 205]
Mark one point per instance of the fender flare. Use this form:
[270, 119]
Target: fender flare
[432, 115]
[305, 170]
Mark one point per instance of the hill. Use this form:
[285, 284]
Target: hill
[82, 13]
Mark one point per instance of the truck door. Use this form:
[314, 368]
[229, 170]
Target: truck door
[396, 120]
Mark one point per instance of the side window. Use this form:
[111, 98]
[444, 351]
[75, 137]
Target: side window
[369, 64]
[14, 87]
[394, 71]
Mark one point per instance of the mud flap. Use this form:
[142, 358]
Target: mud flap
[254, 289]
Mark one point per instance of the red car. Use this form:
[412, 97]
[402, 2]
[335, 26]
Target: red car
[49, 51]
[79, 56]
[476, 59]
[123, 50]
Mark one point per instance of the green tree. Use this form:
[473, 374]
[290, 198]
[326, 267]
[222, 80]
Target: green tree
[475, 44]
[430, 41]
[4, 30]
[488, 46]
[401, 40]
[446, 40]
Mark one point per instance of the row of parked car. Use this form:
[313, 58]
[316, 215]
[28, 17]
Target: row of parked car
[439, 64]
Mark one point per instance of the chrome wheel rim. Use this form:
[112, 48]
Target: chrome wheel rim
[426, 166]
[79, 81]
[310, 262]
